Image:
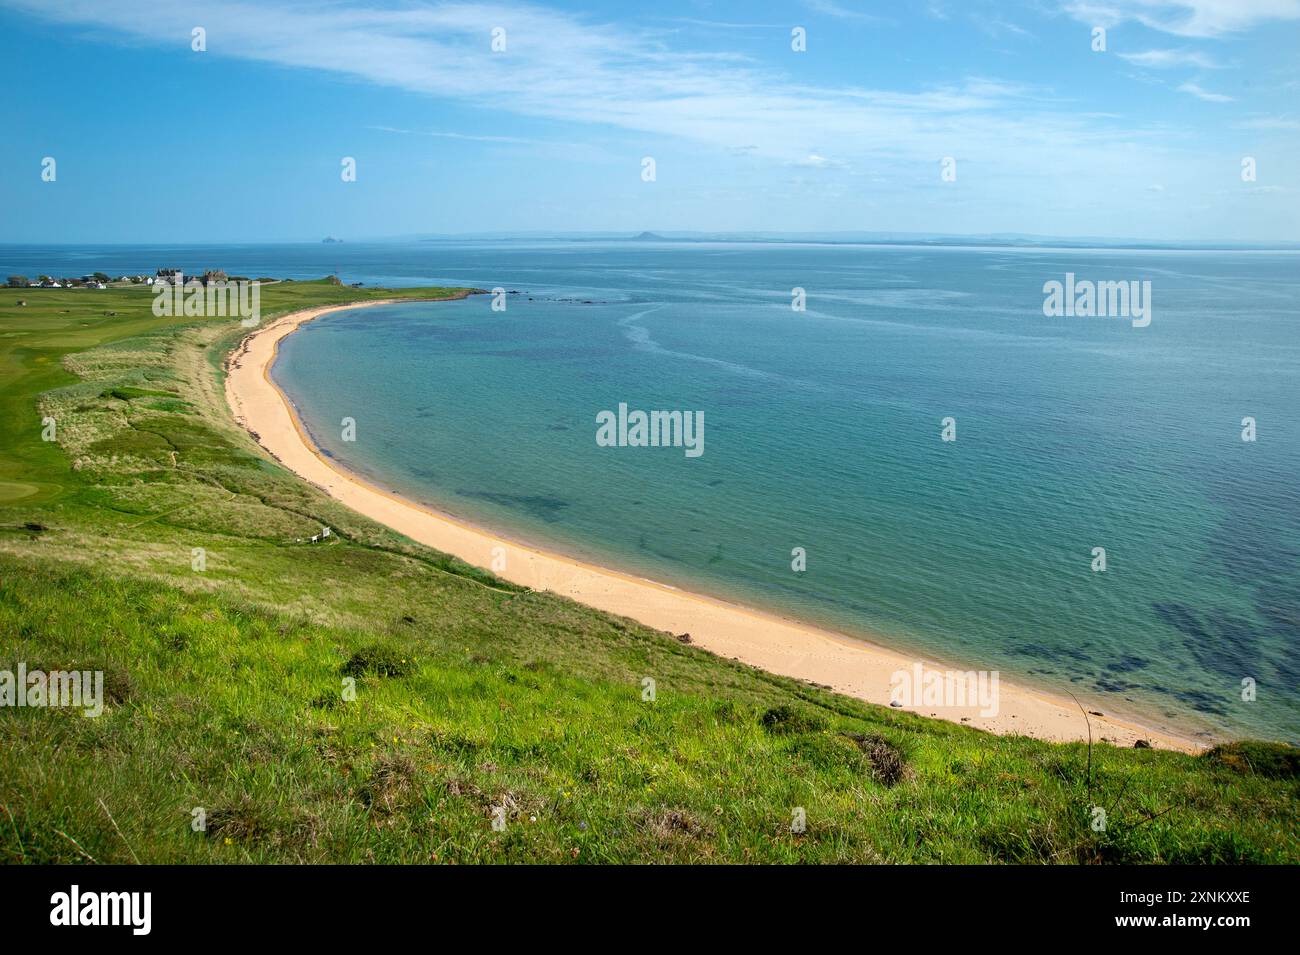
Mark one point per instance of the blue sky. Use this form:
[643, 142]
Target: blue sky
[155, 142]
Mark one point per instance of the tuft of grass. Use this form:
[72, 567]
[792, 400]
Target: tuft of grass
[792, 719]
[1272, 760]
[888, 764]
[379, 659]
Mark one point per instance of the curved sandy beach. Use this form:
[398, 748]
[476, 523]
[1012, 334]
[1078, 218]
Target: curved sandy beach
[848, 665]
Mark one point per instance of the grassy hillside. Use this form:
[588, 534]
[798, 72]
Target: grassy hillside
[474, 700]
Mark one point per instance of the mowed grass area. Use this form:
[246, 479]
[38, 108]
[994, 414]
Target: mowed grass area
[230, 688]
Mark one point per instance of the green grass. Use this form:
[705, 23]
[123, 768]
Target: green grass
[370, 700]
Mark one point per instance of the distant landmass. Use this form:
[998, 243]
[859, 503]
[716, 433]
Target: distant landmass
[329, 240]
[989, 240]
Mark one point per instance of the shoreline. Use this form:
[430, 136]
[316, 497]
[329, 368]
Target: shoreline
[847, 665]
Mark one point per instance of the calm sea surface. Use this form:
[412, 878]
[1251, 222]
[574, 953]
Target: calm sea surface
[822, 431]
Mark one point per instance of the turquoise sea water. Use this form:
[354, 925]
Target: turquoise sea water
[822, 431]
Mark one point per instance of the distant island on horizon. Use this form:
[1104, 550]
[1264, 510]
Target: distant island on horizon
[991, 240]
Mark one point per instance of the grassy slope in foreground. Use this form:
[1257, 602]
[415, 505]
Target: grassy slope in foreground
[473, 697]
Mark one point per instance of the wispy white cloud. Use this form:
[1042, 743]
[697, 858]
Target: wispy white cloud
[470, 137]
[832, 9]
[1268, 123]
[1167, 59]
[1204, 94]
[727, 24]
[998, 28]
[1189, 18]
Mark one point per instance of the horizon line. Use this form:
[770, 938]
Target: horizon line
[756, 236]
